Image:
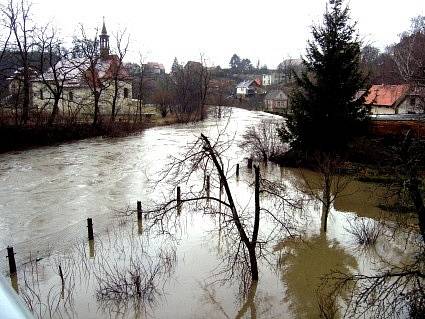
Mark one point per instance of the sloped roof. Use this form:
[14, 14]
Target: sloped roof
[276, 95]
[76, 71]
[247, 84]
[386, 95]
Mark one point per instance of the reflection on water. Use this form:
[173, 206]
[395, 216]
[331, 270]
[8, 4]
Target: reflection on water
[304, 264]
[47, 194]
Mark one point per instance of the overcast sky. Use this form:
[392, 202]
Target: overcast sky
[268, 30]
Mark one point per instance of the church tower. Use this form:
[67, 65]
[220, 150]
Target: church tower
[104, 42]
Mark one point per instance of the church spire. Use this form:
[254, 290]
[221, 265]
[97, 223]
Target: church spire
[104, 42]
[104, 27]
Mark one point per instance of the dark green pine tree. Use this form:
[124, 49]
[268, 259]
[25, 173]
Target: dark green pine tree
[326, 114]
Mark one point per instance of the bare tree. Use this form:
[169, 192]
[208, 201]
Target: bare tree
[239, 226]
[162, 96]
[88, 48]
[17, 16]
[263, 141]
[60, 68]
[122, 41]
[190, 89]
[409, 58]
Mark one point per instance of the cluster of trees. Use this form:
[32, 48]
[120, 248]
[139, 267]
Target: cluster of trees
[184, 91]
[401, 62]
[30, 51]
[240, 65]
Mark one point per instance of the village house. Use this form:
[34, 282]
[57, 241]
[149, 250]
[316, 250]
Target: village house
[394, 99]
[273, 78]
[77, 97]
[277, 101]
[247, 88]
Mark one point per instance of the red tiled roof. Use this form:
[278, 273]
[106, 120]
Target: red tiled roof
[386, 95]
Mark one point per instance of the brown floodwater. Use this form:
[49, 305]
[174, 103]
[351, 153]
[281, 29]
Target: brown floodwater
[46, 195]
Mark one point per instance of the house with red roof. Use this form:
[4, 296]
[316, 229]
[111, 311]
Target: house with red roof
[394, 99]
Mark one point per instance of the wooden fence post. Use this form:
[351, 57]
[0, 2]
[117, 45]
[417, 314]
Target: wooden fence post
[90, 228]
[11, 257]
[250, 163]
[139, 210]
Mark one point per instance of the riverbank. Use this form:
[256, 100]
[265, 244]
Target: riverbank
[16, 138]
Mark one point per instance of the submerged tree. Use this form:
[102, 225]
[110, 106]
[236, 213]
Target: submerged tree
[239, 226]
[325, 112]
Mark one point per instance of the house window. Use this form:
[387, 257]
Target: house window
[41, 95]
[70, 96]
[412, 101]
[125, 93]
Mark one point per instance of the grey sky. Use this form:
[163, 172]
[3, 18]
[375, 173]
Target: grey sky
[269, 30]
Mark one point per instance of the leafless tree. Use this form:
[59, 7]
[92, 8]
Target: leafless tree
[88, 48]
[262, 141]
[242, 229]
[162, 95]
[122, 41]
[409, 58]
[17, 17]
[190, 89]
[60, 68]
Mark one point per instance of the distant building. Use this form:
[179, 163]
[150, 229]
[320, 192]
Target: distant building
[277, 101]
[16, 82]
[395, 99]
[153, 69]
[77, 97]
[273, 78]
[247, 88]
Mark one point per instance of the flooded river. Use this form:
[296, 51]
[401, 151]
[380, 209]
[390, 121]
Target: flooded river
[46, 195]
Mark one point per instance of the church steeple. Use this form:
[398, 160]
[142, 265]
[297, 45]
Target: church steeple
[104, 42]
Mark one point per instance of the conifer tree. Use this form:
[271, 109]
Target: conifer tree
[326, 113]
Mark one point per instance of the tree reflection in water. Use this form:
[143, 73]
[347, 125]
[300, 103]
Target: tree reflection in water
[125, 269]
[303, 264]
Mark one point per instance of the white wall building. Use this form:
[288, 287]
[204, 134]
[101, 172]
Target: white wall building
[77, 99]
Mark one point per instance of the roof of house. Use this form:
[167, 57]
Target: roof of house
[247, 84]
[276, 95]
[154, 65]
[386, 95]
[76, 72]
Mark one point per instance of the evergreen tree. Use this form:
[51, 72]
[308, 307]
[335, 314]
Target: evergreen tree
[326, 113]
[175, 66]
[235, 62]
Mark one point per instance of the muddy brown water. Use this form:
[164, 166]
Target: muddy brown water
[46, 194]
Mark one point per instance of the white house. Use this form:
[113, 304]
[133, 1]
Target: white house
[273, 78]
[247, 88]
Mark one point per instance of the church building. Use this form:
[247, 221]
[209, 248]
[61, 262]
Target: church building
[81, 84]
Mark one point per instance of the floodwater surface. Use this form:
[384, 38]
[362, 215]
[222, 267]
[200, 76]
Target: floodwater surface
[46, 195]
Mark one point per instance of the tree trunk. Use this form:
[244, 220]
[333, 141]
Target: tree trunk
[96, 108]
[250, 245]
[26, 101]
[326, 202]
[54, 111]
